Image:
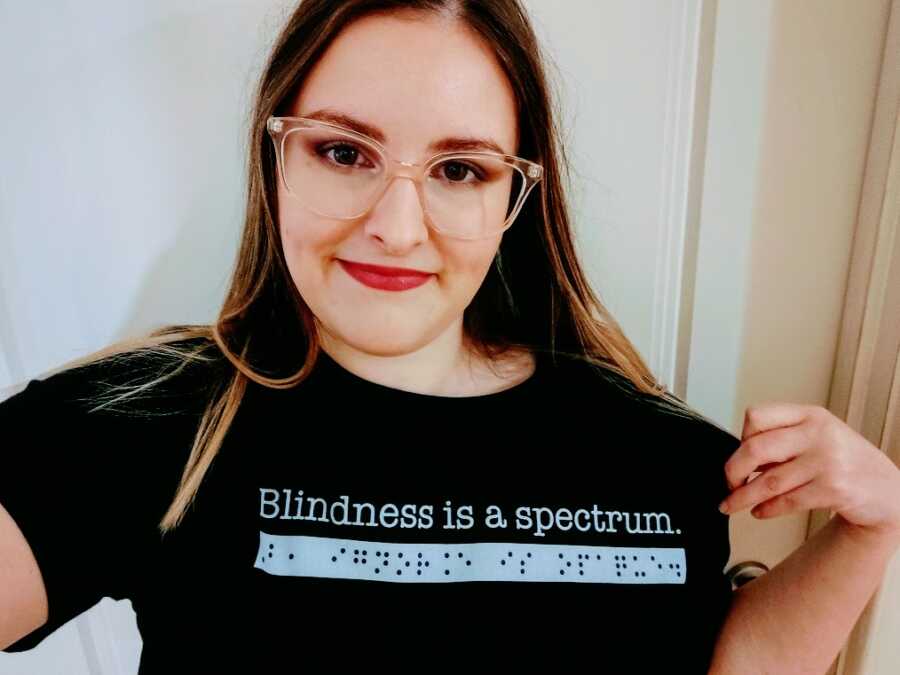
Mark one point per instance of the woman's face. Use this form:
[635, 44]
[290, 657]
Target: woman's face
[417, 80]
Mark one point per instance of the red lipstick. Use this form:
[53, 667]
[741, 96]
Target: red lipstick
[385, 278]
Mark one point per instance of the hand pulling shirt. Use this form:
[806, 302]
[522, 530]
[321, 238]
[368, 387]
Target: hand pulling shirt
[345, 524]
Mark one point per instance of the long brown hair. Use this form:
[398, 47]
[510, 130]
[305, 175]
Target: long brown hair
[536, 298]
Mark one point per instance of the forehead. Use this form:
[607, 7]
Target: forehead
[417, 78]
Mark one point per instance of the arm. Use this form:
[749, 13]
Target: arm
[797, 617]
[23, 599]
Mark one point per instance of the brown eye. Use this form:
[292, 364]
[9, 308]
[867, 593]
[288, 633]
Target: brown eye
[344, 154]
[456, 172]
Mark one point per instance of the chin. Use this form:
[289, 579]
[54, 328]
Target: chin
[391, 345]
[386, 345]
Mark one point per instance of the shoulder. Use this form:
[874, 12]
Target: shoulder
[143, 382]
[612, 400]
[580, 381]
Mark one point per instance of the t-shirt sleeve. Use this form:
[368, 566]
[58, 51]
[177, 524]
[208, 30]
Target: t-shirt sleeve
[709, 584]
[66, 488]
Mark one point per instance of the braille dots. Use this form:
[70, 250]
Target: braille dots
[503, 562]
[270, 554]
[343, 550]
[468, 562]
[446, 555]
[333, 558]
[377, 570]
[271, 545]
[290, 556]
[399, 572]
[446, 571]
[378, 554]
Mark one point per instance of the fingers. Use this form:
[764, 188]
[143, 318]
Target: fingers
[772, 483]
[764, 450]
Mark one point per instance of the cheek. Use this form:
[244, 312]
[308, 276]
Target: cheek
[307, 244]
[467, 267]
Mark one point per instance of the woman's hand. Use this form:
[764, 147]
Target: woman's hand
[811, 459]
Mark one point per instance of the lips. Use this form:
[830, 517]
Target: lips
[385, 278]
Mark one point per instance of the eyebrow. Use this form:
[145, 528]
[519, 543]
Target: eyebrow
[447, 144]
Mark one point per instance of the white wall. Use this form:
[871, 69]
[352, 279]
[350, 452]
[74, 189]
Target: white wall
[121, 167]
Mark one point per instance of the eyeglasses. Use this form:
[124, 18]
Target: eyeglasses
[336, 172]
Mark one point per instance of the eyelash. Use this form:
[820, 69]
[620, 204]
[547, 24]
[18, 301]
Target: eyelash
[323, 149]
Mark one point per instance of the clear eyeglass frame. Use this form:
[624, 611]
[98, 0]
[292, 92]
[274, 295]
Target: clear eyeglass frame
[531, 172]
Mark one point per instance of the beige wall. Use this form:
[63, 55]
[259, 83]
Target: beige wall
[791, 113]
[790, 116]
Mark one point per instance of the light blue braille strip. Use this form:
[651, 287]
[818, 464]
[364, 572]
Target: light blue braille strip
[303, 556]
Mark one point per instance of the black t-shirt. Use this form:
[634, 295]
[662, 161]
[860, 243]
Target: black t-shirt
[345, 523]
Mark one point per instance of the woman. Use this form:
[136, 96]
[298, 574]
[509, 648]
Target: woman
[460, 458]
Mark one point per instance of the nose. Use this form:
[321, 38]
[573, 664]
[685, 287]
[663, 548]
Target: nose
[397, 220]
